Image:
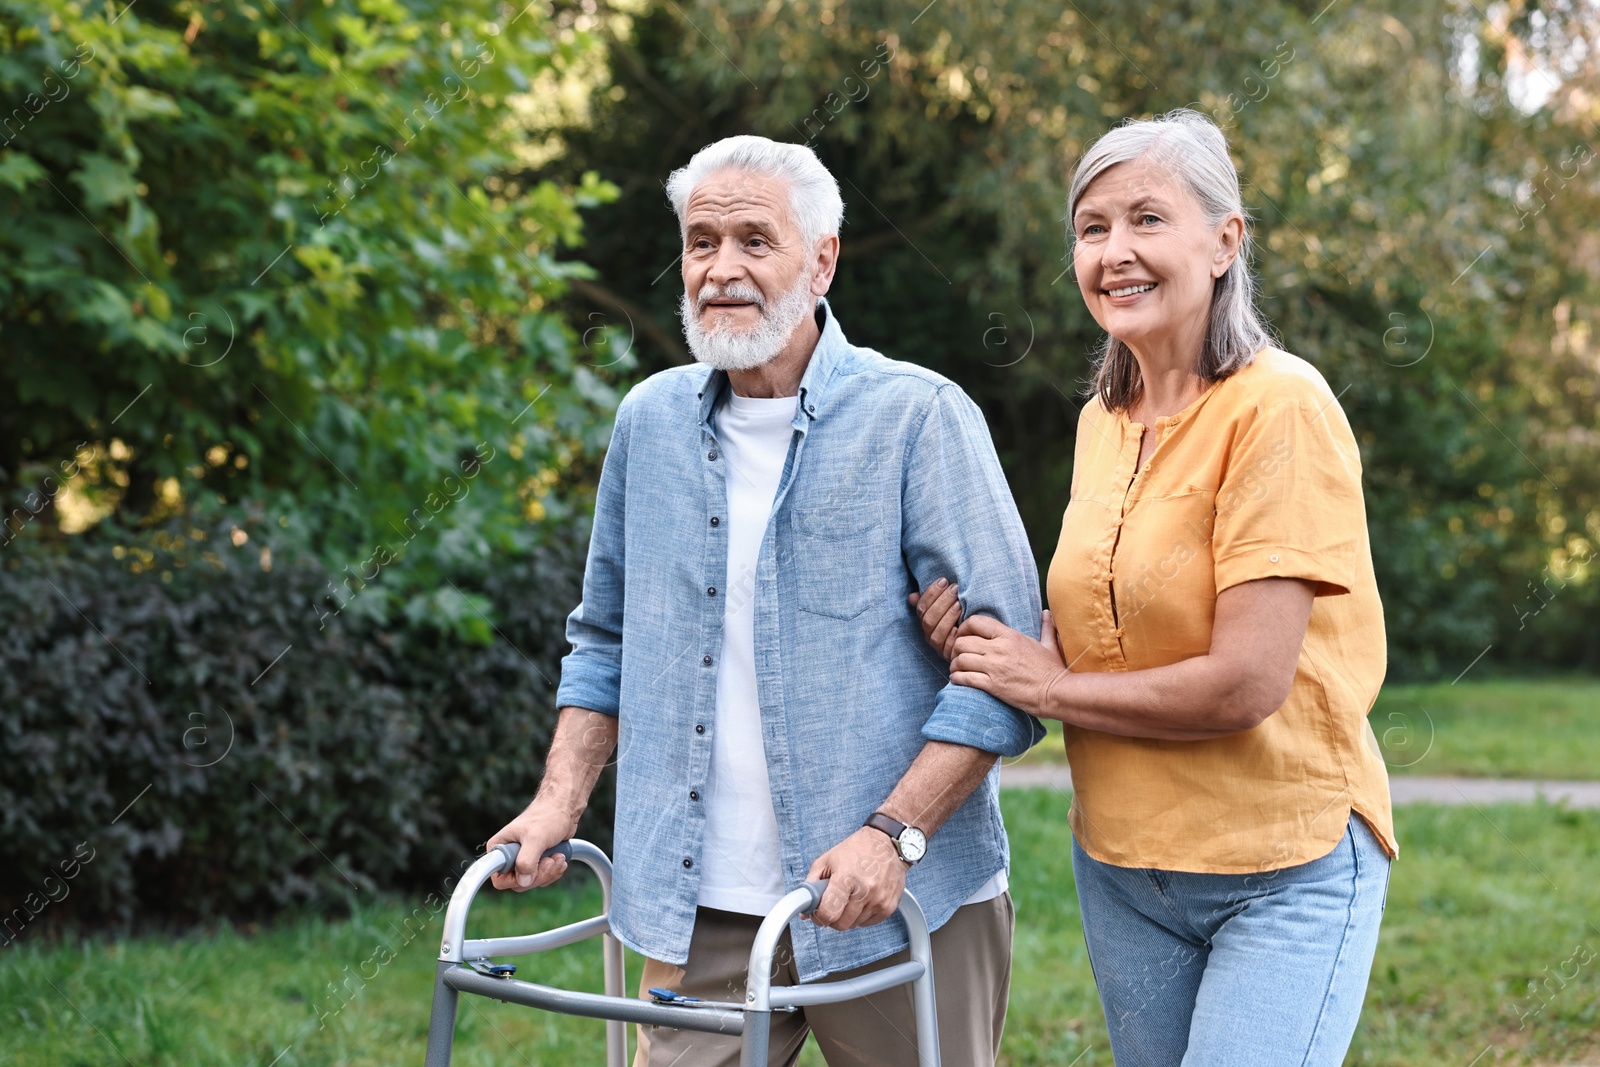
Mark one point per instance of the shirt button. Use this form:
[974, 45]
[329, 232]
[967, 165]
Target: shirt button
[715, 521]
[1272, 558]
[712, 454]
[712, 591]
[694, 794]
[699, 728]
[687, 863]
[706, 660]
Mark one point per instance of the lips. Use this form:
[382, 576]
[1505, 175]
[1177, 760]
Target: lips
[729, 298]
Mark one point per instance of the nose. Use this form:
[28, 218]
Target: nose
[1117, 252]
[725, 265]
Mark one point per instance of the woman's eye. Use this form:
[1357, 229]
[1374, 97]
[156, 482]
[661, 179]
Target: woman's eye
[1093, 229]
[1149, 220]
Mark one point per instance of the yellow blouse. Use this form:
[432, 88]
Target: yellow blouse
[1258, 478]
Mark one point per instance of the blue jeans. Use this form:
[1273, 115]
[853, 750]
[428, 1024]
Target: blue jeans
[1235, 970]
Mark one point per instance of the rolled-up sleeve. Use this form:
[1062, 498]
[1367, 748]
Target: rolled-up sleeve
[961, 523]
[591, 674]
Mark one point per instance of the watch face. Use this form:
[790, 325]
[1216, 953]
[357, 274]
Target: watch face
[913, 845]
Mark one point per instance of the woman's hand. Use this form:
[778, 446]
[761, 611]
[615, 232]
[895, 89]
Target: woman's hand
[939, 610]
[1011, 666]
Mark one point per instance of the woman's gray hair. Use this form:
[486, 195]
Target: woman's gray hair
[813, 193]
[1191, 147]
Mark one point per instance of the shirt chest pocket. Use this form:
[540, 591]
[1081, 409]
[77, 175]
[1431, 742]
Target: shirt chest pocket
[838, 560]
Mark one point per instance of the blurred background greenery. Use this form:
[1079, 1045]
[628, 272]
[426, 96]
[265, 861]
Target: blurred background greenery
[314, 316]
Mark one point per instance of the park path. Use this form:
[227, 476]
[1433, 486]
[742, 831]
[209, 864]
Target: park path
[1403, 789]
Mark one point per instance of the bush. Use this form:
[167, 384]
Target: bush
[190, 733]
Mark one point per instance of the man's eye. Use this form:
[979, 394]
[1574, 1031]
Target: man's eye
[758, 242]
[1149, 220]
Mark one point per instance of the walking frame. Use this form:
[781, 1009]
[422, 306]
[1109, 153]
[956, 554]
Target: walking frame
[464, 967]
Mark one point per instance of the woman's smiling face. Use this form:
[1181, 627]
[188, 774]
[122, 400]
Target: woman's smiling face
[1146, 259]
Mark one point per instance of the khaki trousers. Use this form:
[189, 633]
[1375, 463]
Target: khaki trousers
[972, 979]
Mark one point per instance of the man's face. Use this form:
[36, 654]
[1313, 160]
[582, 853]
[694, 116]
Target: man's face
[746, 276]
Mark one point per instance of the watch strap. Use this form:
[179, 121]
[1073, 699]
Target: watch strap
[879, 821]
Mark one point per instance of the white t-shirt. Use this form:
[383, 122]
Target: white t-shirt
[740, 866]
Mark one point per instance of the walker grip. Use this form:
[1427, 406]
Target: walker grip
[509, 850]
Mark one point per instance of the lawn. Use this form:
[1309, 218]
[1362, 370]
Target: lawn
[1515, 728]
[1481, 905]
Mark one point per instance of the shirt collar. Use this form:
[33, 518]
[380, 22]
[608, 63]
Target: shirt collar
[832, 349]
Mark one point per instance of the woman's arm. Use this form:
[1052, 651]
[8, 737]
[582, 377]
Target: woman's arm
[1257, 632]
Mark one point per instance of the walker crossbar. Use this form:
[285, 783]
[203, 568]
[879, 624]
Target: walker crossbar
[753, 1023]
[595, 1006]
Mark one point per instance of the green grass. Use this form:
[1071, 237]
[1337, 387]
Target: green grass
[1548, 728]
[1515, 728]
[1481, 904]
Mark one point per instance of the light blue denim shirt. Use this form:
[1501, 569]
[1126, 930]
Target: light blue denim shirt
[891, 481]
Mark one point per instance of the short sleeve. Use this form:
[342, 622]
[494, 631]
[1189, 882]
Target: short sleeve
[1290, 503]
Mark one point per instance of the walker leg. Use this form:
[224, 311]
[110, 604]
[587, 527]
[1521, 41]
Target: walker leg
[442, 1024]
[616, 1030]
[927, 1020]
[757, 1031]
[922, 998]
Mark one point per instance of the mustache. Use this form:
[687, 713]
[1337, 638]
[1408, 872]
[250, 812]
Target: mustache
[736, 291]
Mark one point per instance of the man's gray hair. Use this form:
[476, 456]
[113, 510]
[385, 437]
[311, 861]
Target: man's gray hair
[813, 193]
[1193, 151]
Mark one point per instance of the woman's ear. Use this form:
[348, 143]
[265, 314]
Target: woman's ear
[1230, 234]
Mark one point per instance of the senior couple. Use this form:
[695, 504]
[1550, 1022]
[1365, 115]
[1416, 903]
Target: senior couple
[811, 628]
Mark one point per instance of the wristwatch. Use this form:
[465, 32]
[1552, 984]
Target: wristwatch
[909, 842]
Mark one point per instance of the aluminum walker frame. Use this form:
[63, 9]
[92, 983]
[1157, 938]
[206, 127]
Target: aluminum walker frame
[752, 1020]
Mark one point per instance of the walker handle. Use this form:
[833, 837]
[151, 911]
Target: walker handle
[817, 888]
[509, 850]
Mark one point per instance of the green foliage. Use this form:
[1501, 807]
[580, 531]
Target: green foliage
[222, 748]
[1416, 220]
[260, 261]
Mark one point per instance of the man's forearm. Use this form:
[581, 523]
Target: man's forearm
[939, 780]
[580, 750]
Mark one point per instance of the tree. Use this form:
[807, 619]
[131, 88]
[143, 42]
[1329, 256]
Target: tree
[1383, 152]
[261, 260]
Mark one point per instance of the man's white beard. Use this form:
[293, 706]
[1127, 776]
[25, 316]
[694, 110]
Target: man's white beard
[729, 348]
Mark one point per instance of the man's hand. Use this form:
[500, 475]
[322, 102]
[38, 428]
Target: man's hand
[865, 879]
[1008, 665]
[537, 829]
[583, 743]
[938, 609]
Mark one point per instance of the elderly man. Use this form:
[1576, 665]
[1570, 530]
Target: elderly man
[761, 519]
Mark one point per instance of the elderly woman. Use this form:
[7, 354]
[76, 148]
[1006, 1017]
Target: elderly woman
[1214, 640]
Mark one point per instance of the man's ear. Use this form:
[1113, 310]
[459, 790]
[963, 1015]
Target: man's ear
[824, 259]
